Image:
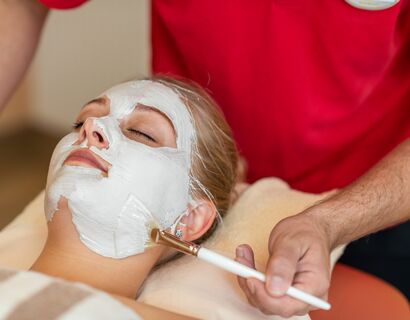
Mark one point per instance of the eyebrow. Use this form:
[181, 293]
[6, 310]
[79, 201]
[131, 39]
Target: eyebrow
[144, 108]
[100, 101]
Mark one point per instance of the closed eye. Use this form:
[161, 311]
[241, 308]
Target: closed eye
[77, 125]
[142, 134]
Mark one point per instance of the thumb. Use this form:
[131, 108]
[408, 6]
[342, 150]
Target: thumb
[281, 269]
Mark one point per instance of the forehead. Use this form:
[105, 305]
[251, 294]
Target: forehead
[126, 96]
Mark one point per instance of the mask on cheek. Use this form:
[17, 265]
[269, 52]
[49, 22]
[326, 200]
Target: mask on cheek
[145, 186]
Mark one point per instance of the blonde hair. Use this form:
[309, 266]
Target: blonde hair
[214, 156]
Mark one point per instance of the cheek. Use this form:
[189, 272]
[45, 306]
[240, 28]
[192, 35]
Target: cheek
[159, 181]
[141, 164]
[62, 149]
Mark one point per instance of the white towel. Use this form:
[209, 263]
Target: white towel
[26, 295]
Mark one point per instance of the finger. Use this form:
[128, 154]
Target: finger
[313, 272]
[313, 282]
[284, 306]
[253, 288]
[248, 289]
[258, 296]
[281, 269]
[251, 284]
[244, 255]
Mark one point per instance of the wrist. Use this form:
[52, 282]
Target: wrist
[325, 223]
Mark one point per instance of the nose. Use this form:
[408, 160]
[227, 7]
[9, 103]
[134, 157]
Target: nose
[94, 134]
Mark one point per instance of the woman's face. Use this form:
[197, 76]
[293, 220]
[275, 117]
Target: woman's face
[125, 167]
[145, 125]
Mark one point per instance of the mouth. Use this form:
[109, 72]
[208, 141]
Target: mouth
[85, 158]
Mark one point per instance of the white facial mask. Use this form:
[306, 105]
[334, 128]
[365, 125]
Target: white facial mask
[145, 186]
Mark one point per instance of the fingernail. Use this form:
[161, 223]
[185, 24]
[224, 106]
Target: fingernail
[275, 286]
[248, 255]
[239, 252]
[251, 287]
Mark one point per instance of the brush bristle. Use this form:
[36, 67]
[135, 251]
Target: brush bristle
[155, 235]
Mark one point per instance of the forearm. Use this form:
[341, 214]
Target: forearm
[377, 200]
[21, 22]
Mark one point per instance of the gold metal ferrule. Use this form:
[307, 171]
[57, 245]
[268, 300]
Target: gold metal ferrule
[169, 240]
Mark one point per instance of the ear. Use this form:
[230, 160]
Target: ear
[198, 220]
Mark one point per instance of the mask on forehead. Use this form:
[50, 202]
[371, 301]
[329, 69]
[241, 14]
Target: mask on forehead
[145, 186]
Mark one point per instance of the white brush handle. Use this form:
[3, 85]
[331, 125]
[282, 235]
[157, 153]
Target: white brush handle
[246, 272]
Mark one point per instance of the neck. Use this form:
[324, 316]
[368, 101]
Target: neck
[65, 256]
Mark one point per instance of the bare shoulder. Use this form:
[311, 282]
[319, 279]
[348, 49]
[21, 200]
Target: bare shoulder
[147, 311]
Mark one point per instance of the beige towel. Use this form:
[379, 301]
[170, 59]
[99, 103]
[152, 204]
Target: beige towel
[22, 240]
[195, 288]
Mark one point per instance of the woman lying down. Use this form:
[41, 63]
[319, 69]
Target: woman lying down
[144, 153]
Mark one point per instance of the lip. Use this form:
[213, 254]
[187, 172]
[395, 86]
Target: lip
[86, 158]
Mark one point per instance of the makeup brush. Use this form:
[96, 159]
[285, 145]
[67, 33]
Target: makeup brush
[169, 240]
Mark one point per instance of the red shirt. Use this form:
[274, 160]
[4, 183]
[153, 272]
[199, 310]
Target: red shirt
[62, 4]
[316, 91]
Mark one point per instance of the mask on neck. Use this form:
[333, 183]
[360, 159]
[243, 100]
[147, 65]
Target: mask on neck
[145, 186]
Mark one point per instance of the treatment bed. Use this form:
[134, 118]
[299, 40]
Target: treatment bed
[192, 287]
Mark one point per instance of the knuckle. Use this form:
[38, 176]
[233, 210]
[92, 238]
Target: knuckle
[290, 310]
[244, 286]
[266, 311]
[241, 260]
[326, 284]
[265, 304]
[261, 300]
[281, 265]
[261, 294]
[251, 302]
[286, 313]
[323, 287]
[244, 262]
[278, 262]
[302, 312]
[282, 224]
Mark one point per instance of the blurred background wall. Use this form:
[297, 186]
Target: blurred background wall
[82, 52]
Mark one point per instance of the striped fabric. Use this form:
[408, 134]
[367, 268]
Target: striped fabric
[26, 295]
